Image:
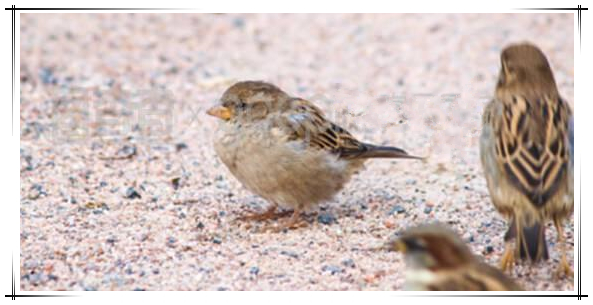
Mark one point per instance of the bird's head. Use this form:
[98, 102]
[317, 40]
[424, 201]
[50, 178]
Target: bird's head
[248, 100]
[524, 66]
[433, 247]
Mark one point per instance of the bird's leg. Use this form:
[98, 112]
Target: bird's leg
[294, 222]
[563, 269]
[508, 257]
[270, 213]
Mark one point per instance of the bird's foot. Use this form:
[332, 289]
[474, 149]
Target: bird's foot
[564, 270]
[268, 214]
[293, 223]
[508, 260]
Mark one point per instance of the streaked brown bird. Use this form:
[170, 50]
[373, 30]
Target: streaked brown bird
[285, 150]
[438, 260]
[526, 150]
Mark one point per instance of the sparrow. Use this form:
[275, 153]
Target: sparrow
[526, 150]
[285, 150]
[438, 260]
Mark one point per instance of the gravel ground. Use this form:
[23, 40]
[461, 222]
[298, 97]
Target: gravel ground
[121, 189]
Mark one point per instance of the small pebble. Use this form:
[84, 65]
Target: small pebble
[37, 191]
[326, 219]
[427, 210]
[180, 146]
[289, 253]
[254, 270]
[127, 151]
[171, 241]
[349, 263]
[131, 193]
[217, 240]
[397, 209]
[47, 76]
[389, 224]
[332, 269]
[175, 183]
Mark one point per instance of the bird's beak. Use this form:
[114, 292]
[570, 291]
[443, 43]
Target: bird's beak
[220, 112]
[396, 245]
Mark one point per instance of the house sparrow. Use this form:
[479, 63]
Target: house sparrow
[438, 260]
[526, 150]
[284, 149]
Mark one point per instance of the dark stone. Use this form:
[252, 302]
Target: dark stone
[176, 182]
[397, 209]
[326, 219]
[131, 193]
[180, 146]
[127, 151]
[171, 240]
[332, 269]
[349, 263]
[289, 253]
[47, 76]
[37, 191]
[254, 270]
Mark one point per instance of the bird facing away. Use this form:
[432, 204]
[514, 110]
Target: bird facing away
[526, 152]
[438, 260]
[284, 149]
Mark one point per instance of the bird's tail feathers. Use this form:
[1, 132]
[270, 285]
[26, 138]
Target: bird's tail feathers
[531, 241]
[374, 151]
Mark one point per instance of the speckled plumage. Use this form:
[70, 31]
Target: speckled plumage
[526, 152]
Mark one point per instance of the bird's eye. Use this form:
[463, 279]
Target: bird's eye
[241, 105]
[416, 244]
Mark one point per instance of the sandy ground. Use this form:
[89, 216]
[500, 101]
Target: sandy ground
[121, 189]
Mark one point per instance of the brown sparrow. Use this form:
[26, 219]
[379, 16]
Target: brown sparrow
[526, 150]
[284, 149]
[438, 260]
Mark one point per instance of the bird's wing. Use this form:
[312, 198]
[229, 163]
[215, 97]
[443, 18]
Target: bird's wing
[532, 145]
[307, 123]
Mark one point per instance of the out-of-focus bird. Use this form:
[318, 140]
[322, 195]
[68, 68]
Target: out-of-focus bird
[526, 150]
[284, 149]
[438, 260]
